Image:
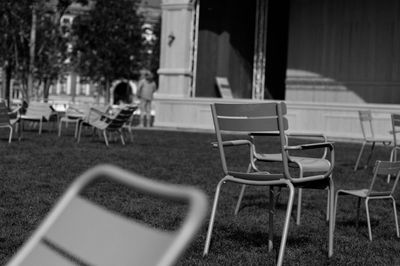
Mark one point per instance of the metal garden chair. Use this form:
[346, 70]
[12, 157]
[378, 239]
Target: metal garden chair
[375, 192]
[79, 231]
[6, 121]
[368, 136]
[265, 118]
[306, 165]
[108, 123]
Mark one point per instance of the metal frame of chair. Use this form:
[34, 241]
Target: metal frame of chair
[73, 114]
[305, 165]
[371, 193]
[6, 121]
[265, 118]
[107, 123]
[369, 137]
[79, 230]
[37, 112]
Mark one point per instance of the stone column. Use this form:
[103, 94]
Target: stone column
[175, 73]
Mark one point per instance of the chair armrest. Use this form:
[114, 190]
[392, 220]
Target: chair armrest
[311, 146]
[232, 143]
[307, 134]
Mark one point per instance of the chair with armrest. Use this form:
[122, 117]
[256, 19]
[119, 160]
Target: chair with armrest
[80, 231]
[74, 114]
[269, 119]
[375, 191]
[37, 112]
[9, 119]
[105, 122]
[369, 137]
[305, 164]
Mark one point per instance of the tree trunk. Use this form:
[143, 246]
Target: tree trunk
[46, 89]
[6, 81]
[32, 43]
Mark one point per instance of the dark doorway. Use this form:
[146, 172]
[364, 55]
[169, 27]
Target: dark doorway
[225, 47]
[123, 93]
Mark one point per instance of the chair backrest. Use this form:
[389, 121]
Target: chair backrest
[249, 118]
[4, 118]
[366, 123]
[80, 232]
[38, 109]
[395, 127]
[123, 115]
[384, 168]
[224, 88]
[76, 109]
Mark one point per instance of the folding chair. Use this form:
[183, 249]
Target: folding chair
[368, 135]
[79, 231]
[265, 118]
[375, 192]
[74, 114]
[305, 165]
[37, 112]
[109, 123]
[6, 121]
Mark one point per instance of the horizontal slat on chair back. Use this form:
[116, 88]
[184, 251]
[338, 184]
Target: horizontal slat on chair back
[122, 117]
[387, 168]
[396, 119]
[365, 115]
[250, 124]
[253, 117]
[248, 110]
[36, 109]
[96, 236]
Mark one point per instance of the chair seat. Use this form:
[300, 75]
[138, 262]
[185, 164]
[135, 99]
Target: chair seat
[363, 193]
[258, 176]
[308, 164]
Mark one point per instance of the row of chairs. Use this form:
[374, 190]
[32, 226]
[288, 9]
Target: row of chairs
[78, 230]
[370, 138]
[103, 118]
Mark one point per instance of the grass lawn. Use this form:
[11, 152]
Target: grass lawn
[37, 170]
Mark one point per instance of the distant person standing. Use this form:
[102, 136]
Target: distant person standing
[146, 89]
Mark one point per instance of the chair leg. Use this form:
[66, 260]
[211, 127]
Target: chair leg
[335, 208]
[240, 199]
[212, 217]
[368, 220]
[271, 219]
[331, 218]
[286, 225]
[328, 204]
[395, 217]
[241, 193]
[59, 128]
[105, 137]
[299, 198]
[358, 212]
[122, 137]
[370, 153]
[40, 127]
[359, 156]
[11, 133]
[79, 132]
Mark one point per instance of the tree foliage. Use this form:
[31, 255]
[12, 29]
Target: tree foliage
[107, 41]
[49, 44]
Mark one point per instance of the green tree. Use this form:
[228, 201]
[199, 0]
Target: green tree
[107, 42]
[33, 47]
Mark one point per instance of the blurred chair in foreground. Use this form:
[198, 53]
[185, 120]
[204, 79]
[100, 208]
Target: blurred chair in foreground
[6, 121]
[376, 191]
[369, 137]
[79, 231]
[268, 119]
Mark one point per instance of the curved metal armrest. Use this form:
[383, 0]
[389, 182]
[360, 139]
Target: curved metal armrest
[311, 146]
[307, 134]
[232, 143]
[16, 111]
